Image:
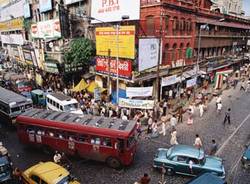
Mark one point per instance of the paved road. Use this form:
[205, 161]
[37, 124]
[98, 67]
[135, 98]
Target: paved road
[230, 138]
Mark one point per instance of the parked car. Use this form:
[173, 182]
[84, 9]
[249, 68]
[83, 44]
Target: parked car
[49, 173]
[5, 165]
[207, 178]
[245, 160]
[188, 160]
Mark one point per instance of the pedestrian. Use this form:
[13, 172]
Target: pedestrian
[218, 100]
[173, 140]
[190, 115]
[145, 179]
[163, 128]
[170, 93]
[138, 127]
[242, 86]
[57, 157]
[197, 141]
[173, 121]
[150, 122]
[213, 148]
[227, 116]
[201, 108]
[155, 129]
[189, 94]
[219, 107]
[165, 105]
[180, 115]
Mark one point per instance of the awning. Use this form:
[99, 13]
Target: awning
[91, 87]
[80, 86]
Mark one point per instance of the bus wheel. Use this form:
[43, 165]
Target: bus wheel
[113, 163]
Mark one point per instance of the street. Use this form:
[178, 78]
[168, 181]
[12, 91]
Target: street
[231, 140]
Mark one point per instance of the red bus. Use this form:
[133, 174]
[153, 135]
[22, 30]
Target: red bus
[97, 138]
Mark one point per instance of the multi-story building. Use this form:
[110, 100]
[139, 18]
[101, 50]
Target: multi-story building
[231, 7]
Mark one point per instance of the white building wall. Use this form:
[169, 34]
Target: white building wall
[228, 6]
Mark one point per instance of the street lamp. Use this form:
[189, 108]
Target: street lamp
[199, 45]
[116, 27]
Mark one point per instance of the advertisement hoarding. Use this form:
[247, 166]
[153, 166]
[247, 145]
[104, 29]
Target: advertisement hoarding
[167, 81]
[46, 30]
[14, 9]
[148, 53]
[137, 104]
[124, 71]
[139, 91]
[106, 39]
[27, 13]
[191, 82]
[16, 39]
[45, 5]
[14, 24]
[112, 11]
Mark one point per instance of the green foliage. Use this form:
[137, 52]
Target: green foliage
[80, 52]
[27, 24]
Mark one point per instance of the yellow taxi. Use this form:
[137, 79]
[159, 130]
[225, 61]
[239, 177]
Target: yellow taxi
[47, 173]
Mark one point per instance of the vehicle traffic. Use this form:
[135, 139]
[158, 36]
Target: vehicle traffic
[38, 97]
[245, 160]
[48, 173]
[188, 160]
[62, 103]
[12, 104]
[207, 178]
[5, 165]
[103, 139]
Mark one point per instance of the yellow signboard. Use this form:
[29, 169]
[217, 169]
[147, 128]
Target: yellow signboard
[14, 24]
[106, 38]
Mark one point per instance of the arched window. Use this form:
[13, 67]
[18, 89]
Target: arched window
[150, 25]
[182, 24]
[181, 51]
[166, 52]
[174, 52]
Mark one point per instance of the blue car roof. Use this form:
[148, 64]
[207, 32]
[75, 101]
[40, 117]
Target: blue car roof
[3, 160]
[206, 178]
[186, 150]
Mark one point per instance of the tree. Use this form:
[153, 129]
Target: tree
[80, 52]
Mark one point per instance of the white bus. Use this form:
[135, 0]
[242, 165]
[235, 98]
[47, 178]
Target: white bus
[63, 103]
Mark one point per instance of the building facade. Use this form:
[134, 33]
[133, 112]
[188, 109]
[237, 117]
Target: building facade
[231, 7]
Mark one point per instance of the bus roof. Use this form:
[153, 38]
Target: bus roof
[8, 97]
[79, 123]
[64, 100]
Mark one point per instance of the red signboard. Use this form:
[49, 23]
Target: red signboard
[124, 71]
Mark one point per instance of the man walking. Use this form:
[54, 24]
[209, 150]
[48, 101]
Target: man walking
[213, 148]
[173, 121]
[227, 116]
[197, 141]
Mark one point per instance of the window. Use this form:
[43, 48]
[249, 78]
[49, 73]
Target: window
[166, 52]
[166, 23]
[174, 52]
[61, 108]
[107, 142]
[35, 179]
[83, 138]
[180, 51]
[150, 25]
[195, 161]
[57, 105]
[182, 24]
[182, 159]
[95, 140]
[175, 22]
[15, 109]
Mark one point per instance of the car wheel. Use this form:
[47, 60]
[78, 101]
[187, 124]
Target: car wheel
[113, 163]
[169, 171]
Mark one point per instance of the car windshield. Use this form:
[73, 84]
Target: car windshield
[71, 107]
[23, 84]
[169, 152]
[65, 180]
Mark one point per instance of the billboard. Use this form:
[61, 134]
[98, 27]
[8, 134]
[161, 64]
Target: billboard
[112, 11]
[137, 104]
[106, 38]
[27, 13]
[124, 70]
[46, 30]
[12, 10]
[148, 53]
[12, 25]
[45, 5]
[139, 91]
[16, 39]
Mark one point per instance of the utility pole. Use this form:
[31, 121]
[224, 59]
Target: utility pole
[159, 61]
[109, 52]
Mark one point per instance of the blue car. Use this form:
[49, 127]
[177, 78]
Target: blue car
[207, 178]
[5, 170]
[188, 160]
[245, 160]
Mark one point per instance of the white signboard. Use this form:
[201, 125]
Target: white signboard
[70, 1]
[46, 29]
[113, 10]
[136, 104]
[16, 39]
[166, 81]
[15, 10]
[191, 82]
[148, 53]
[139, 91]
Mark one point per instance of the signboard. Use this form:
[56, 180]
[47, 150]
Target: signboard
[97, 93]
[14, 24]
[70, 1]
[167, 81]
[45, 5]
[106, 38]
[51, 67]
[46, 30]
[136, 104]
[139, 91]
[124, 70]
[27, 13]
[14, 9]
[113, 10]
[191, 82]
[16, 39]
[27, 57]
[148, 53]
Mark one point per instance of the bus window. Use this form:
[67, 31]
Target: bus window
[120, 145]
[15, 109]
[131, 141]
[57, 105]
[28, 106]
[71, 107]
[107, 142]
[61, 108]
[83, 138]
[95, 140]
